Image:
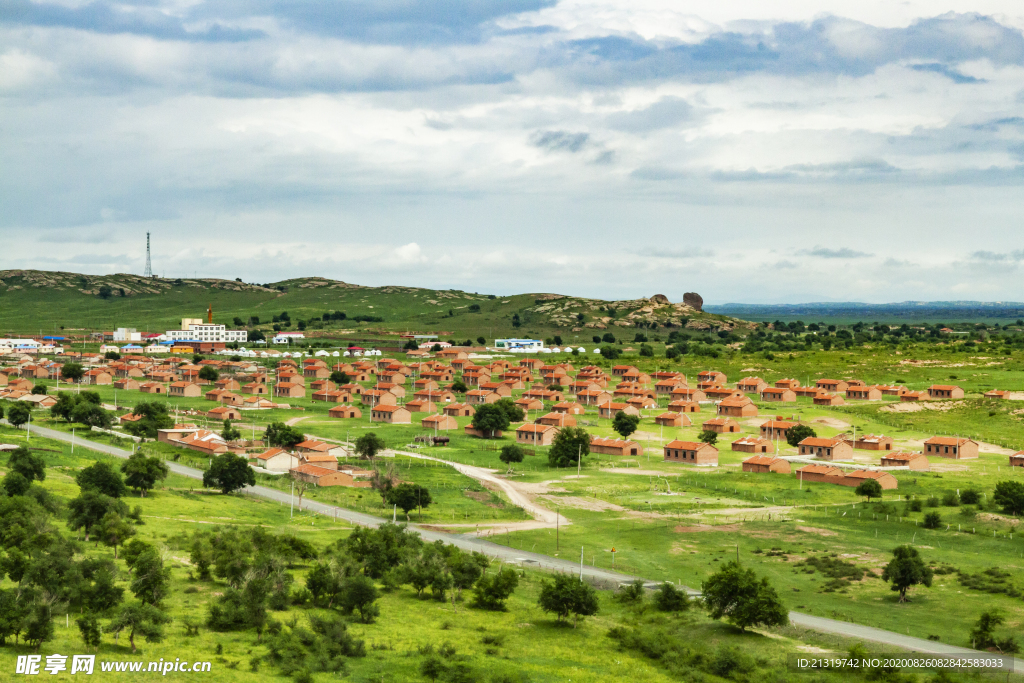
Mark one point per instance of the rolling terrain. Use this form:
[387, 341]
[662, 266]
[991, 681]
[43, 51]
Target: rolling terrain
[42, 302]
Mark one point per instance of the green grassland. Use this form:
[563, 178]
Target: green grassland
[40, 302]
[520, 644]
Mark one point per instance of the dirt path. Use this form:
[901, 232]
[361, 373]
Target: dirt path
[295, 420]
[516, 493]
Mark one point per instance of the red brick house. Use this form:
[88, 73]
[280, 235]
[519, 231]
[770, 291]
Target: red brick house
[752, 444]
[737, 407]
[688, 394]
[345, 412]
[776, 429]
[535, 434]
[609, 410]
[824, 399]
[184, 389]
[290, 390]
[569, 408]
[864, 393]
[390, 414]
[684, 406]
[421, 406]
[951, 447]
[691, 453]
[826, 449]
[152, 388]
[378, 397]
[945, 391]
[787, 384]
[711, 376]
[614, 446]
[752, 385]
[722, 425]
[858, 477]
[1017, 459]
[672, 420]
[778, 395]
[820, 473]
[459, 410]
[915, 461]
[762, 464]
[127, 384]
[557, 420]
[997, 394]
[871, 442]
[833, 385]
[440, 422]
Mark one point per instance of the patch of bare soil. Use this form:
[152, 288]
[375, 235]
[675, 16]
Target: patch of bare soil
[295, 420]
[1016, 396]
[812, 649]
[478, 496]
[536, 488]
[647, 473]
[701, 528]
[918, 406]
[579, 503]
[816, 530]
[831, 422]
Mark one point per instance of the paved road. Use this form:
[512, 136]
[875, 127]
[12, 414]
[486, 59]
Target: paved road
[600, 576]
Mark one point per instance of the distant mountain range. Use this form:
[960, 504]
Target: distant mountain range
[921, 311]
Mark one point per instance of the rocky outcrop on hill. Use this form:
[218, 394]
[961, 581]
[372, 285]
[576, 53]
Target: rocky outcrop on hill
[694, 301]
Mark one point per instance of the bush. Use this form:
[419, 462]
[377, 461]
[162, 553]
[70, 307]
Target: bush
[932, 520]
[950, 499]
[668, 598]
[970, 497]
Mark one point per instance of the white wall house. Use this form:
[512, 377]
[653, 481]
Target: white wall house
[520, 344]
[207, 332]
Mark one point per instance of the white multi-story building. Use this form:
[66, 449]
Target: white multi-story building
[519, 344]
[127, 334]
[194, 329]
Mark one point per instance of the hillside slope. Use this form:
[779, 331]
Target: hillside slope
[43, 302]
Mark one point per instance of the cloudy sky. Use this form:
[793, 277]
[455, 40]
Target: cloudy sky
[768, 151]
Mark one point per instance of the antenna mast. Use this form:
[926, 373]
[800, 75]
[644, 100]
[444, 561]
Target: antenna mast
[149, 263]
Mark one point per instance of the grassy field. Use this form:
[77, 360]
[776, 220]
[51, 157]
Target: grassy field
[40, 302]
[520, 644]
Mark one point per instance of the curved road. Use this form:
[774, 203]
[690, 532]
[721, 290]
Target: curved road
[504, 553]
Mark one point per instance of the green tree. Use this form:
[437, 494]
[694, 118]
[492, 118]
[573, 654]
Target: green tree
[646, 351]
[359, 594]
[229, 433]
[142, 473]
[798, 433]
[408, 497]
[610, 352]
[72, 372]
[15, 484]
[741, 598]
[369, 445]
[19, 414]
[708, 436]
[38, 624]
[983, 634]
[39, 390]
[90, 415]
[27, 464]
[625, 424]
[89, 627]
[151, 580]
[568, 595]
[571, 444]
[283, 436]
[1009, 495]
[490, 419]
[511, 454]
[209, 373]
[339, 377]
[106, 291]
[492, 591]
[411, 345]
[932, 520]
[459, 387]
[88, 509]
[114, 531]
[101, 478]
[513, 412]
[153, 418]
[905, 570]
[668, 598]
[608, 338]
[229, 472]
[140, 619]
[481, 341]
[869, 488]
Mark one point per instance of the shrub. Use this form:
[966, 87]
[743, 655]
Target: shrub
[932, 520]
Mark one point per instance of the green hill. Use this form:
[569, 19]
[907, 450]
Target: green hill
[44, 302]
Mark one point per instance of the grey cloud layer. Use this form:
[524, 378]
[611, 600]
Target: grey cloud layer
[373, 124]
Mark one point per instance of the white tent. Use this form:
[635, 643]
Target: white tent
[335, 354]
[322, 353]
[286, 354]
[581, 350]
[556, 350]
[346, 354]
[597, 350]
[546, 350]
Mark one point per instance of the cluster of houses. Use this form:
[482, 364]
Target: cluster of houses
[552, 395]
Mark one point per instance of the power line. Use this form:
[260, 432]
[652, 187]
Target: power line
[149, 263]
